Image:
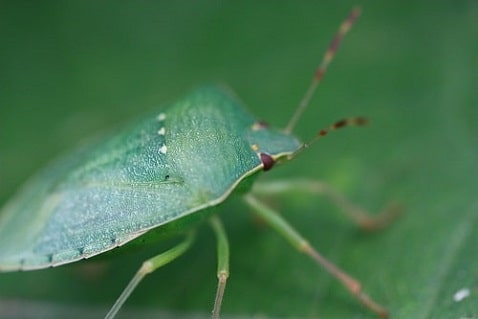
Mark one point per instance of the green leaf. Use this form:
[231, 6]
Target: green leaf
[73, 70]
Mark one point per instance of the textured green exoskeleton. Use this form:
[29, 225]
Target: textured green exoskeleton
[187, 157]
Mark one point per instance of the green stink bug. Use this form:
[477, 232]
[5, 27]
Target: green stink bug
[188, 157]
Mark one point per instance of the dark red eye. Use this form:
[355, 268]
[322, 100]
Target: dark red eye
[259, 125]
[262, 124]
[267, 161]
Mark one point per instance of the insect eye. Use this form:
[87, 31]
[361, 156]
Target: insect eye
[267, 161]
[259, 125]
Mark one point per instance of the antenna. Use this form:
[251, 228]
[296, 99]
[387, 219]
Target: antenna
[321, 70]
[351, 121]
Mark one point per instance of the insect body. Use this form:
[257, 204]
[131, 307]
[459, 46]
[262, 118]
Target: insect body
[189, 156]
[185, 159]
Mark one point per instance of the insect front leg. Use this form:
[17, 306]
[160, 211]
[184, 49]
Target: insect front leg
[148, 267]
[359, 215]
[274, 220]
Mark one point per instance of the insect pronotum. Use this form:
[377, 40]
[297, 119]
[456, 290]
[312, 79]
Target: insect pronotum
[188, 157]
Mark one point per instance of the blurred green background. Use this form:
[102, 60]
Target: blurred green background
[70, 70]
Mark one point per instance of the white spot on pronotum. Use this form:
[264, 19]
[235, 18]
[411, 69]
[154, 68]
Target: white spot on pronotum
[161, 117]
[162, 131]
[461, 294]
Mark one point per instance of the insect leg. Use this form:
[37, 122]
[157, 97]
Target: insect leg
[360, 216]
[148, 267]
[222, 263]
[300, 243]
